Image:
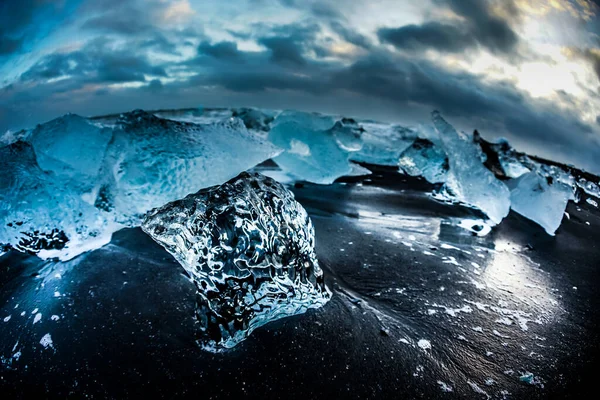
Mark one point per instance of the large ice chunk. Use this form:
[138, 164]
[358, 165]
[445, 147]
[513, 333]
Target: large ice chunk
[383, 143]
[71, 145]
[317, 148]
[76, 181]
[152, 161]
[468, 179]
[540, 199]
[43, 214]
[423, 158]
[249, 248]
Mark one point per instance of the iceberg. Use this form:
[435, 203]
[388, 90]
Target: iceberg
[468, 180]
[540, 199]
[248, 246]
[317, 148]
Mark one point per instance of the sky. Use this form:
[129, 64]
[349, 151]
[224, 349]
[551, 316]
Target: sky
[526, 70]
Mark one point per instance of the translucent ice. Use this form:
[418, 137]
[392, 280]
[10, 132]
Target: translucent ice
[71, 145]
[249, 248]
[41, 213]
[468, 179]
[383, 143]
[151, 161]
[513, 164]
[540, 199]
[316, 147]
[425, 159]
[76, 181]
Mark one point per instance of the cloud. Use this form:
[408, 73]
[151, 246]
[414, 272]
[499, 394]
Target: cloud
[479, 27]
[309, 56]
[284, 50]
[26, 21]
[220, 50]
[98, 62]
[436, 35]
[120, 22]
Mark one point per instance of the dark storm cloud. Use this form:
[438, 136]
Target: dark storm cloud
[96, 63]
[442, 37]
[594, 59]
[480, 28]
[284, 50]
[296, 61]
[220, 50]
[400, 80]
[350, 35]
[490, 30]
[25, 21]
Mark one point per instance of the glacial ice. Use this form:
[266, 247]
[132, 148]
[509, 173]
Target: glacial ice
[383, 143]
[75, 181]
[317, 148]
[248, 246]
[68, 184]
[71, 145]
[540, 199]
[468, 179]
[41, 213]
[151, 161]
[502, 159]
[425, 159]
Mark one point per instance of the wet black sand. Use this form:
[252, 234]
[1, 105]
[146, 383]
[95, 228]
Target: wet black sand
[514, 303]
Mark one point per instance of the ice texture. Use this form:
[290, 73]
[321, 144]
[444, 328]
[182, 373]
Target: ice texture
[468, 180]
[317, 148]
[75, 181]
[425, 159]
[248, 246]
[71, 145]
[41, 213]
[383, 143]
[151, 161]
[540, 199]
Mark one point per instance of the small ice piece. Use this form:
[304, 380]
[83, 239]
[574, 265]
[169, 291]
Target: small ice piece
[477, 226]
[425, 159]
[248, 246]
[444, 386]
[316, 147]
[424, 344]
[46, 341]
[37, 318]
[512, 163]
[592, 202]
[527, 377]
[540, 199]
[468, 179]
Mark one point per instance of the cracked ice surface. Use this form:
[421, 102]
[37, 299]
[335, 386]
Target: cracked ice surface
[249, 247]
